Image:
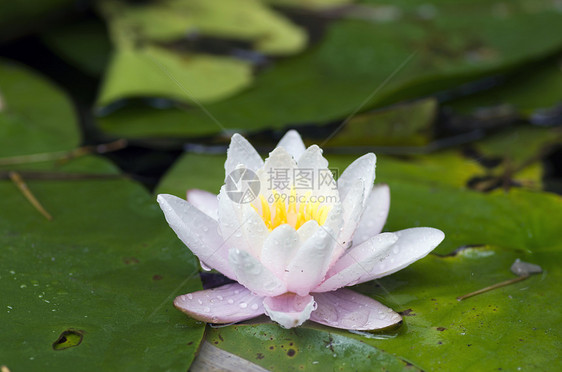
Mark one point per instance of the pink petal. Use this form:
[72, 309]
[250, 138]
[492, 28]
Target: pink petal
[198, 231]
[239, 152]
[253, 275]
[363, 167]
[374, 215]
[292, 142]
[358, 261]
[227, 304]
[311, 262]
[205, 201]
[289, 309]
[350, 310]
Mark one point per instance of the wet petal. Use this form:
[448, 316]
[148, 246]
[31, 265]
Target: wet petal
[311, 262]
[292, 142]
[227, 304]
[358, 261]
[352, 207]
[289, 310]
[205, 201]
[240, 225]
[374, 214]
[412, 245]
[381, 255]
[321, 186]
[279, 247]
[253, 275]
[350, 310]
[198, 231]
[239, 152]
[276, 176]
[363, 167]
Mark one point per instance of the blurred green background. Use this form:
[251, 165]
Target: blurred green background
[104, 104]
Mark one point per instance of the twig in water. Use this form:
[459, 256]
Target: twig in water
[22, 186]
[64, 156]
[489, 288]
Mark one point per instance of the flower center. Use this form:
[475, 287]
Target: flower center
[294, 210]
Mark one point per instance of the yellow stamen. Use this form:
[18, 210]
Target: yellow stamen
[294, 210]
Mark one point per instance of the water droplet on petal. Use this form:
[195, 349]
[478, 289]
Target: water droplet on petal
[190, 296]
[243, 305]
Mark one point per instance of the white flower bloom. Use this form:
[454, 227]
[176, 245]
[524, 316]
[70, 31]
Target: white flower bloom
[293, 246]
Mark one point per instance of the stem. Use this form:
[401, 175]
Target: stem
[22, 186]
[60, 176]
[497, 285]
[64, 156]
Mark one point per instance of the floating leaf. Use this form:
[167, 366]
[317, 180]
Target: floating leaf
[94, 286]
[27, 99]
[157, 72]
[247, 20]
[310, 4]
[84, 44]
[402, 58]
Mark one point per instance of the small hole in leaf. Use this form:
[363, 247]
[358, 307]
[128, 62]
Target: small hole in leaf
[68, 338]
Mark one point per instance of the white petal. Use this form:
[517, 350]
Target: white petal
[323, 187]
[253, 275]
[279, 247]
[227, 304]
[289, 310]
[311, 262]
[239, 152]
[205, 201]
[352, 207]
[307, 230]
[312, 158]
[292, 142]
[350, 310]
[363, 167]
[198, 231]
[381, 255]
[240, 225]
[358, 261]
[374, 215]
[276, 176]
[412, 245]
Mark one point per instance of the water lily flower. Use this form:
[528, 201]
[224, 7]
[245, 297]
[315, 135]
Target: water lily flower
[292, 238]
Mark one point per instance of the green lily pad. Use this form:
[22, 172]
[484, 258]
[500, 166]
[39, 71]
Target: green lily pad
[23, 128]
[398, 59]
[157, 72]
[310, 4]
[84, 44]
[246, 20]
[20, 17]
[526, 93]
[409, 124]
[279, 349]
[94, 286]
